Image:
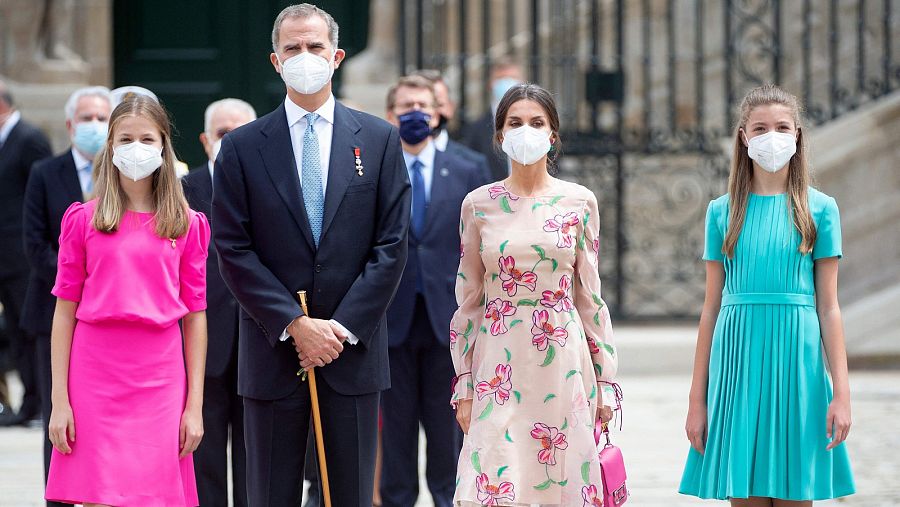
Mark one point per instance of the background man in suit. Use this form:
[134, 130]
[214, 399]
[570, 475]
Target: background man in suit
[446, 111]
[336, 230]
[54, 184]
[419, 317]
[505, 73]
[222, 407]
[21, 145]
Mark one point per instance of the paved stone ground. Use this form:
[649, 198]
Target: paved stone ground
[652, 441]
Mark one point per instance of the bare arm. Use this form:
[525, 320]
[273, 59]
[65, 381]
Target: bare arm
[195, 362]
[696, 420]
[832, 329]
[62, 421]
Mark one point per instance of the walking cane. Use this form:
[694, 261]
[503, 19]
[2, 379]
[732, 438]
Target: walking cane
[317, 417]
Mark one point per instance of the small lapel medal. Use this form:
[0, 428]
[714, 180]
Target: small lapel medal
[359, 167]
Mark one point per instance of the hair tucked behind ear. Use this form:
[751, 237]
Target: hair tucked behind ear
[742, 172]
[169, 203]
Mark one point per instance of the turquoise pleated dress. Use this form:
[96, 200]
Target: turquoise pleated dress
[769, 391]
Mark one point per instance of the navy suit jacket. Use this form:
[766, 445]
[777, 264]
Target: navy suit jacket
[24, 146]
[52, 186]
[266, 249]
[221, 308]
[479, 136]
[437, 250]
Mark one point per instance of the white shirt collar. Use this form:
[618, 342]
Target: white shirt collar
[426, 156]
[210, 164]
[442, 140]
[10, 124]
[296, 113]
[80, 161]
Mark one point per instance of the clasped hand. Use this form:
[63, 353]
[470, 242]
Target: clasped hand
[317, 342]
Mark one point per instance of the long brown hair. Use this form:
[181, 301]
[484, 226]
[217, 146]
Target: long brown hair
[534, 93]
[169, 204]
[742, 171]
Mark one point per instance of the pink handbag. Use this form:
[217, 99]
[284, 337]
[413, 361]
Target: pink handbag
[612, 465]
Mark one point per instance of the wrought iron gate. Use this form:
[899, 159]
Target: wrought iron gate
[646, 91]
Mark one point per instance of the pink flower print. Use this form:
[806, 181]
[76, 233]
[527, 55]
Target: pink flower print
[596, 246]
[499, 191]
[592, 345]
[489, 494]
[579, 406]
[454, 337]
[559, 300]
[589, 494]
[513, 277]
[499, 386]
[551, 439]
[497, 310]
[562, 225]
[462, 251]
[542, 332]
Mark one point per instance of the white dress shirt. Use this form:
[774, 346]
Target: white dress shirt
[210, 164]
[10, 124]
[426, 157]
[84, 177]
[441, 140]
[324, 128]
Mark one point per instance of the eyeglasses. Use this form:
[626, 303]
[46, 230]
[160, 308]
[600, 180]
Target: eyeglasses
[406, 106]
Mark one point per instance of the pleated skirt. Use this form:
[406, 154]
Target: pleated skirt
[767, 402]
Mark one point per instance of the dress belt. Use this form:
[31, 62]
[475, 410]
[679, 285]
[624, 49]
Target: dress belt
[768, 298]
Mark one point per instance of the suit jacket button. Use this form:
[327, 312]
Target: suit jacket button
[318, 268]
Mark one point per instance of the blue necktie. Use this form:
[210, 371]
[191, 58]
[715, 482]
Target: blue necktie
[311, 183]
[418, 198]
[90, 184]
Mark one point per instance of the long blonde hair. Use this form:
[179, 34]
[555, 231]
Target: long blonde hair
[169, 204]
[742, 172]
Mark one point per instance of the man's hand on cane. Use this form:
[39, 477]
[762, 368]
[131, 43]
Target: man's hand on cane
[316, 341]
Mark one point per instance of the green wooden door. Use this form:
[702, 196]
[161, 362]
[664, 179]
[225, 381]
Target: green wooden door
[191, 53]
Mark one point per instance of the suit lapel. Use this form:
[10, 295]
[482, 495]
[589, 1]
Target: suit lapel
[439, 177]
[277, 153]
[341, 165]
[68, 176]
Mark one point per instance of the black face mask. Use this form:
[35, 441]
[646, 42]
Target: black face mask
[442, 123]
[414, 127]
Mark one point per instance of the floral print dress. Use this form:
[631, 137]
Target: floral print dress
[532, 346]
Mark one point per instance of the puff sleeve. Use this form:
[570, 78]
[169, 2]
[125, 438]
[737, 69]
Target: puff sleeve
[192, 271]
[464, 326]
[828, 232]
[590, 305]
[71, 262]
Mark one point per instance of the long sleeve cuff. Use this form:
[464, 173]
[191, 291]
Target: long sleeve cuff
[351, 338]
[461, 388]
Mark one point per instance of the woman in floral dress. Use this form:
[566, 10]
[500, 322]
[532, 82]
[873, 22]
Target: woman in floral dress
[531, 342]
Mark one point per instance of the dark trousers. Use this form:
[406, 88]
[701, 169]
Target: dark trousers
[22, 347]
[223, 413]
[43, 373]
[276, 434]
[421, 370]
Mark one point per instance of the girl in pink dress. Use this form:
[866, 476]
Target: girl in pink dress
[126, 393]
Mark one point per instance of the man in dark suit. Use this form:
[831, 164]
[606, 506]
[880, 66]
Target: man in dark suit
[21, 145]
[336, 230]
[479, 135]
[223, 409]
[419, 317]
[54, 184]
[445, 111]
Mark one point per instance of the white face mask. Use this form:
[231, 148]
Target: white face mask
[307, 73]
[526, 145]
[215, 149]
[137, 160]
[772, 150]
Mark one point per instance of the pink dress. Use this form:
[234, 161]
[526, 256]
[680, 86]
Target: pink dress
[127, 381]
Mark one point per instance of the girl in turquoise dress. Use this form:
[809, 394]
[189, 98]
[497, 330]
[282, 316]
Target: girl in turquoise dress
[765, 427]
